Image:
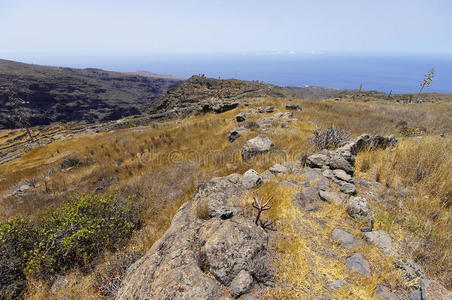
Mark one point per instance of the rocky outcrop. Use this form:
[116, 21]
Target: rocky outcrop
[198, 258]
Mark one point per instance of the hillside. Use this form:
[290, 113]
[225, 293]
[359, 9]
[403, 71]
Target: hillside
[68, 94]
[199, 93]
[178, 194]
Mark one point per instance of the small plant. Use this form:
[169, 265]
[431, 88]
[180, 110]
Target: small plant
[428, 78]
[257, 204]
[331, 137]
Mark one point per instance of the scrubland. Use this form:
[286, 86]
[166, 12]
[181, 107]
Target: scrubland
[157, 168]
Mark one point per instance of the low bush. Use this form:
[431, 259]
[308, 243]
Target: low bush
[71, 236]
[330, 138]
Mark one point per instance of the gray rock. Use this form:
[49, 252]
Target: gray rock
[381, 239]
[337, 284]
[345, 238]
[317, 160]
[278, 168]
[240, 117]
[384, 293]
[306, 199]
[293, 107]
[410, 269]
[251, 179]
[366, 229]
[327, 172]
[359, 209]
[348, 188]
[236, 133]
[316, 178]
[241, 284]
[416, 295]
[175, 266]
[289, 166]
[334, 197]
[291, 183]
[342, 175]
[337, 161]
[229, 246]
[265, 109]
[258, 145]
[221, 107]
[358, 263]
[432, 290]
[267, 176]
[217, 195]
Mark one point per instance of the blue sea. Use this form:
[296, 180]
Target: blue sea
[397, 73]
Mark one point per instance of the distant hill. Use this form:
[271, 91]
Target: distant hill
[90, 95]
[199, 89]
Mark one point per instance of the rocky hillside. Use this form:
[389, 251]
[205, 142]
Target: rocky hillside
[200, 93]
[66, 94]
[214, 250]
[366, 218]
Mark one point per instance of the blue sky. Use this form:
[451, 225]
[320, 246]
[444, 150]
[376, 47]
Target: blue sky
[135, 27]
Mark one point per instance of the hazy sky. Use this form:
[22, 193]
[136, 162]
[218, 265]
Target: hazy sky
[112, 27]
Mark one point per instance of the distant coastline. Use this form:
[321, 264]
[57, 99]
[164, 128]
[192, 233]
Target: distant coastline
[396, 74]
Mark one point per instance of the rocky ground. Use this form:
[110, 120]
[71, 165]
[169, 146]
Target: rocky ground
[215, 250]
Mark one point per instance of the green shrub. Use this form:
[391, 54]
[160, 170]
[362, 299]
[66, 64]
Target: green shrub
[71, 236]
[17, 238]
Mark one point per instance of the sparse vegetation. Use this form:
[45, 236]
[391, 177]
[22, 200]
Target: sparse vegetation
[159, 166]
[330, 138]
[71, 236]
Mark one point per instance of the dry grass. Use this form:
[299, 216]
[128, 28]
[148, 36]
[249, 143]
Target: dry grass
[162, 163]
[420, 214]
[308, 259]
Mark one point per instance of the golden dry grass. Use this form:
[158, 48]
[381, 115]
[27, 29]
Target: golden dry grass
[162, 163]
[422, 214]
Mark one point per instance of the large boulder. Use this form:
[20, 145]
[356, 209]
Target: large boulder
[228, 246]
[258, 145]
[197, 257]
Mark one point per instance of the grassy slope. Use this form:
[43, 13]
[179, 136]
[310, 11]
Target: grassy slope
[162, 163]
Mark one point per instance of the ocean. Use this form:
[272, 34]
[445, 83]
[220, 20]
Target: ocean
[385, 73]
